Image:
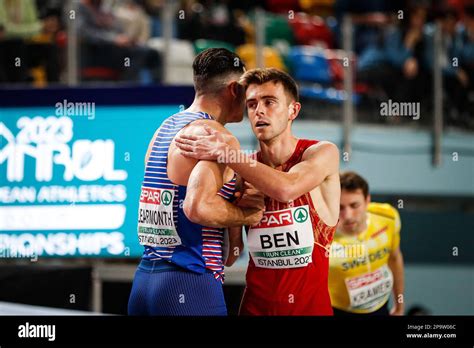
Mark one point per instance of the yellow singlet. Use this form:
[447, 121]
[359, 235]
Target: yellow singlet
[360, 280]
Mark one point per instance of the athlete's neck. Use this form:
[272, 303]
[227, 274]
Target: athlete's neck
[278, 150]
[211, 106]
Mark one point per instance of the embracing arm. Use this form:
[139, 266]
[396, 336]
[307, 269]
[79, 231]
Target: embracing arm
[204, 206]
[318, 162]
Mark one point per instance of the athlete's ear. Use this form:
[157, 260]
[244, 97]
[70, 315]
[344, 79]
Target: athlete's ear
[368, 199]
[295, 108]
[235, 89]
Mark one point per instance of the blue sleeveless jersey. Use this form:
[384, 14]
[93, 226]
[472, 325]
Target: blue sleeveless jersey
[163, 228]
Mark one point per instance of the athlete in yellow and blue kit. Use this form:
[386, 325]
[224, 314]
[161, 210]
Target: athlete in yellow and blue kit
[365, 264]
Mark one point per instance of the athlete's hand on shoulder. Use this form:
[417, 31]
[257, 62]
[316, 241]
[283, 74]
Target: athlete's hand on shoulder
[213, 145]
[250, 197]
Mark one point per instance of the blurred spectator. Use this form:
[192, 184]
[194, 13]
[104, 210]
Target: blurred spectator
[134, 20]
[368, 16]
[407, 51]
[211, 19]
[193, 26]
[375, 71]
[406, 48]
[154, 9]
[455, 79]
[46, 7]
[466, 54]
[105, 43]
[398, 54]
[26, 42]
[19, 18]
[323, 8]
[241, 9]
[464, 100]
[224, 25]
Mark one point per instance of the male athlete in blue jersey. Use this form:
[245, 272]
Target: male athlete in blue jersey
[185, 204]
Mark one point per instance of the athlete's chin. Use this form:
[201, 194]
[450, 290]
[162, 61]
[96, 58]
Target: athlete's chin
[349, 228]
[262, 135]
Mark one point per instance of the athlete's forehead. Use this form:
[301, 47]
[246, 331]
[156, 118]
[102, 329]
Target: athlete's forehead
[348, 197]
[270, 89]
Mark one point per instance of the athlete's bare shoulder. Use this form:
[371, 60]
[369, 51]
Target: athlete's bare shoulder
[197, 127]
[179, 166]
[320, 146]
[323, 152]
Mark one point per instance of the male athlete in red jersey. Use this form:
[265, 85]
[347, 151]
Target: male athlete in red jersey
[288, 268]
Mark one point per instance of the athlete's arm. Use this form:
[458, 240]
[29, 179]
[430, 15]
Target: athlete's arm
[202, 204]
[395, 263]
[318, 163]
[247, 198]
[236, 245]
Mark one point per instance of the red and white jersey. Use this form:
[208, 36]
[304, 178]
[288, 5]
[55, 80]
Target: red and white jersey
[291, 275]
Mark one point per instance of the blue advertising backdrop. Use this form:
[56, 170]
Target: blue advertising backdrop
[70, 177]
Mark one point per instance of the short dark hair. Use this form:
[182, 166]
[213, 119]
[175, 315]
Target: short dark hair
[351, 181]
[211, 64]
[264, 75]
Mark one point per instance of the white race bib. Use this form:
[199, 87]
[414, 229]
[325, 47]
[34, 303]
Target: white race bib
[155, 218]
[282, 239]
[369, 290]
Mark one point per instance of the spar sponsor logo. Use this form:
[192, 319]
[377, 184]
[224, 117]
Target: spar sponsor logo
[371, 289]
[155, 218]
[149, 214]
[282, 218]
[301, 215]
[364, 280]
[167, 197]
[278, 218]
[151, 196]
[155, 196]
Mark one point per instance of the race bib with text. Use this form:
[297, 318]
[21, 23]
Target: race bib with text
[155, 218]
[282, 239]
[369, 290]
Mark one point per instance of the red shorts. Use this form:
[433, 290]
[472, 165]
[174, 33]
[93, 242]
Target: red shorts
[295, 291]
